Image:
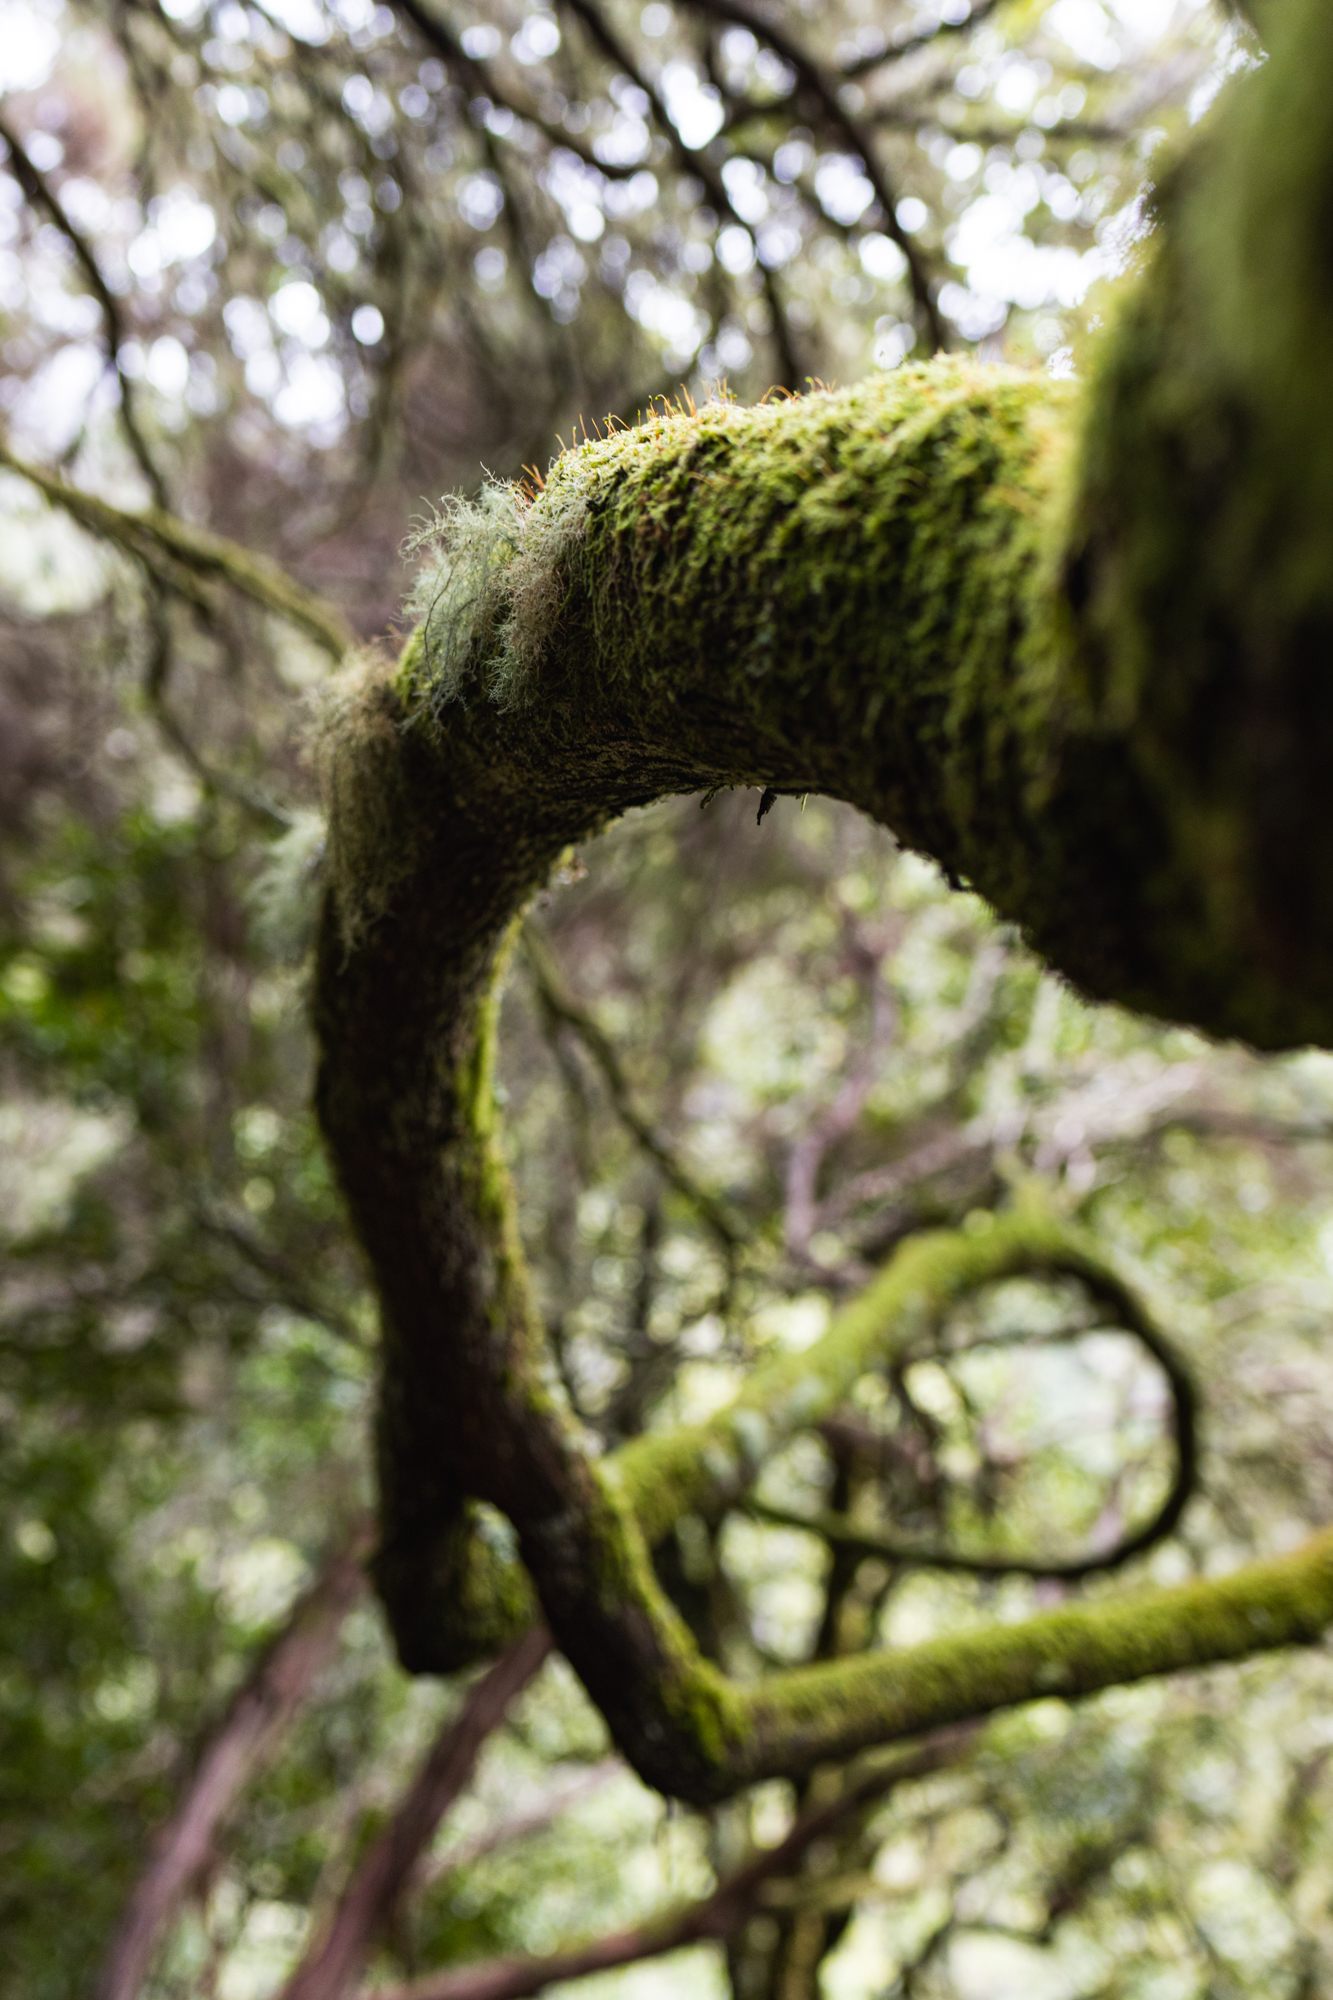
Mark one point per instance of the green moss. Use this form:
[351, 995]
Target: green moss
[699, 1468]
[1200, 565]
[1079, 1650]
[871, 545]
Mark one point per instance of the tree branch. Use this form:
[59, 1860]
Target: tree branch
[843, 1533]
[986, 613]
[165, 544]
[713, 1916]
[277, 1685]
[336, 1958]
[41, 195]
[438, 35]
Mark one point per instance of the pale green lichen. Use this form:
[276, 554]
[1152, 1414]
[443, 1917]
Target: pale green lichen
[489, 595]
[284, 897]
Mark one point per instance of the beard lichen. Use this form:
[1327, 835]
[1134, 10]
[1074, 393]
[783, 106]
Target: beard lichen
[489, 594]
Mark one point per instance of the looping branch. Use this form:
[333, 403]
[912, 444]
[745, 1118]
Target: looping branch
[841, 1532]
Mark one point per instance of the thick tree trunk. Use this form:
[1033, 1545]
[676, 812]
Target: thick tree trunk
[1073, 645]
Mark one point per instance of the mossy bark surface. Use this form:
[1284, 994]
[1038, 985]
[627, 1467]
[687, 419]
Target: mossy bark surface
[1073, 645]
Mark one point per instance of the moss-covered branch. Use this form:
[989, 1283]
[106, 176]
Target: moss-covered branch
[457, 1600]
[873, 1697]
[703, 1468]
[1071, 644]
[173, 550]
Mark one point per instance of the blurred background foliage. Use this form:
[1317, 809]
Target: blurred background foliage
[293, 271]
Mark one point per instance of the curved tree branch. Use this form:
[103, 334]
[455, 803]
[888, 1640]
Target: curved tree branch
[1072, 644]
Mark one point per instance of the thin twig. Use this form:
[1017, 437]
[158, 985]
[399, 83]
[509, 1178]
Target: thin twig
[894, 51]
[520, 1825]
[825, 92]
[560, 1004]
[823, 1130]
[156, 675]
[693, 161]
[42, 195]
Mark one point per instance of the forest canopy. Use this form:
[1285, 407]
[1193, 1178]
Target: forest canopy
[525, 1299]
